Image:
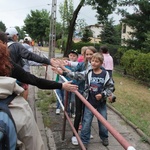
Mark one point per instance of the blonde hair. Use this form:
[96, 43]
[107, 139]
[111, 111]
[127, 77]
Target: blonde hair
[83, 49]
[98, 56]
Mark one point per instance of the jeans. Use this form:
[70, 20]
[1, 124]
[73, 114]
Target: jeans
[87, 121]
[71, 103]
[60, 94]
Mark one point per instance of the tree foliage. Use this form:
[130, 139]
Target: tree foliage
[37, 23]
[139, 21]
[103, 8]
[2, 26]
[86, 35]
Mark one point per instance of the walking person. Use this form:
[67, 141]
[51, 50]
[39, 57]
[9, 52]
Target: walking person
[108, 60]
[18, 52]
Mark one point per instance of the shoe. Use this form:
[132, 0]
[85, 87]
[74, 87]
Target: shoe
[74, 140]
[105, 142]
[73, 115]
[57, 111]
[91, 136]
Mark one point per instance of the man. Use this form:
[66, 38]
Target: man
[18, 51]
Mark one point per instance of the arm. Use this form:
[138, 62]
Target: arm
[109, 87]
[25, 77]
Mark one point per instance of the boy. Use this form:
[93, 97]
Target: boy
[98, 86]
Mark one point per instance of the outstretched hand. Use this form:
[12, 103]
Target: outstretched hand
[57, 70]
[69, 87]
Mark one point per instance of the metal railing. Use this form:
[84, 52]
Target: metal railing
[125, 144]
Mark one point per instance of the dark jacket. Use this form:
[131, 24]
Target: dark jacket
[18, 51]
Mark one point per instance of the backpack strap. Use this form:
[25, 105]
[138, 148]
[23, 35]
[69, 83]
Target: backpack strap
[10, 43]
[4, 106]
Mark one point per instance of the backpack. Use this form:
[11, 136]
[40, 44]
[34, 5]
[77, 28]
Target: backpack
[8, 132]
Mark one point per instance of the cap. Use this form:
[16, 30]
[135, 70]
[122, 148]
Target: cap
[27, 39]
[11, 32]
[74, 51]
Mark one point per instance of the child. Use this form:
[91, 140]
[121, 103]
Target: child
[73, 56]
[81, 57]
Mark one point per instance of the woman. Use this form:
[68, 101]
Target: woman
[25, 77]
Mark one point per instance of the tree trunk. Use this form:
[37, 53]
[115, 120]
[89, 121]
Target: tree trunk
[72, 27]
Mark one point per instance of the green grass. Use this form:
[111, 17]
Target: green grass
[45, 99]
[133, 101]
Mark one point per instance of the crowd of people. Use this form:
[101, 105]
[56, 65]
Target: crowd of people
[91, 73]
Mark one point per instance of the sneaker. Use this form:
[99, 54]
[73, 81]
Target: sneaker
[74, 140]
[57, 111]
[105, 142]
[73, 115]
[91, 136]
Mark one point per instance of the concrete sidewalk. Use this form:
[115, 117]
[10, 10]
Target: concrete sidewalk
[52, 135]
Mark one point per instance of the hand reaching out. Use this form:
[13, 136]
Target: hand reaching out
[57, 70]
[69, 87]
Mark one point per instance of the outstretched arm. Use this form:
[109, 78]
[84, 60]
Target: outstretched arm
[25, 77]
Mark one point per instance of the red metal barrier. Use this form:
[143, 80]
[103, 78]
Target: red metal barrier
[113, 131]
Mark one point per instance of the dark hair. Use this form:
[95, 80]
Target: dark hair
[104, 49]
[3, 37]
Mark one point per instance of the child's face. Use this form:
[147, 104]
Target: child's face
[88, 55]
[95, 63]
[73, 57]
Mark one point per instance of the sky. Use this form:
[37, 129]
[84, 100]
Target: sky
[13, 13]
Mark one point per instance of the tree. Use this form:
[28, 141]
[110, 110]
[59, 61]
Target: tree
[87, 33]
[104, 8]
[2, 26]
[66, 10]
[108, 33]
[21, 32]
[37, 23]
[139, 21]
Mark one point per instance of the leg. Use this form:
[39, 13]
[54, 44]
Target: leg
[86, 125]
[78, 113]
[103, 132]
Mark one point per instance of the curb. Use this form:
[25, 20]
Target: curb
[136, 128]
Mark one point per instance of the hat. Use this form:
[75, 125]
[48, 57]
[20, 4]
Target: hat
[27, 39]
[11, 32]
[74, 51]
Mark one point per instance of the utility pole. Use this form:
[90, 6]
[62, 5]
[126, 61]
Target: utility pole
[52, 35]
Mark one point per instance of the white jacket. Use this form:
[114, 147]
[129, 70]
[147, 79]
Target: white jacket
[27, 130]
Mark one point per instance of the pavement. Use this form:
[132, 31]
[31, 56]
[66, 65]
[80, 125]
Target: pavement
[52, 136]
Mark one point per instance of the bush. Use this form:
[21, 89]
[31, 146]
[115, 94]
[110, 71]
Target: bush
[137, 64]
[142, 67]
[128, 60]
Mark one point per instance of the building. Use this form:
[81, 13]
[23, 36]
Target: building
[125, 33]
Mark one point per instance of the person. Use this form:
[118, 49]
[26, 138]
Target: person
[28, 134]
[80, 66]
[73, 56]
[81, 57]
[98, 86]
[25, 77]
[20, 109]
[27, 63]
[18, 51]
[108, 60]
